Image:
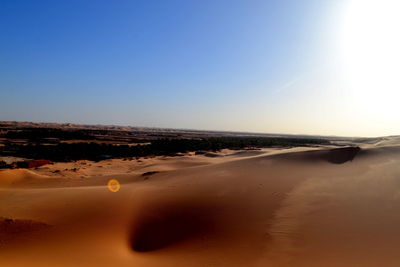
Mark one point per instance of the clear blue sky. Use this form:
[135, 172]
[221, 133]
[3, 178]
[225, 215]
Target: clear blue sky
[202, 64]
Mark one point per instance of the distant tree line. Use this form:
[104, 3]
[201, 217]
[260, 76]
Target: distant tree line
[96, 151]
[35, 134]
[44, 134]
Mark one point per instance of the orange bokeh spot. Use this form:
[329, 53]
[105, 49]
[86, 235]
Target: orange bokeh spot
[113, 185]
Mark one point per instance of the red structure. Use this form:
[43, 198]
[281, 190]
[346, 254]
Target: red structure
[38, 163]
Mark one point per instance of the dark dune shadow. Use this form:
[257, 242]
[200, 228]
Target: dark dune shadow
[341, 155]
[335, 156]
[168, 224]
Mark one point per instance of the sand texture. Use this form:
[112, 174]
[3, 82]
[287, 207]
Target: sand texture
[273, 207]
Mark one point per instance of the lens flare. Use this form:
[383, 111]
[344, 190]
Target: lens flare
[113, 185]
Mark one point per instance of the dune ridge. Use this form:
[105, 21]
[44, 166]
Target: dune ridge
[291, 207]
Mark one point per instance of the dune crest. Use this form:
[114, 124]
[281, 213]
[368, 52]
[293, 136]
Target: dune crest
[290, 207]
[18, 177]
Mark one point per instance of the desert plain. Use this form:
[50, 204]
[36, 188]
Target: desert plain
[299, 206]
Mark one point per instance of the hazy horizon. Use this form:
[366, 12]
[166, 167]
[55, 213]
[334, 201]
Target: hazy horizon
[288, 67]
[194, 129]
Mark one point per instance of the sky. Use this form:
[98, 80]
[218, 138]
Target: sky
[285, 66]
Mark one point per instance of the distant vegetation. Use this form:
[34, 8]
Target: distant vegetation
[96, 151]
[67, 144]
[35, 134]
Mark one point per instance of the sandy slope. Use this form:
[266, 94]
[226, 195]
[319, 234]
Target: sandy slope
[270, 208]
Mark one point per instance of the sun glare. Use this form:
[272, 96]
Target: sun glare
[370, 55]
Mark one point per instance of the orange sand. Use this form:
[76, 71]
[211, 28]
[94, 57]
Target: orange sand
[266, 208]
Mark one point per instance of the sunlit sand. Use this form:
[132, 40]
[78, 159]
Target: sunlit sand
[276, 207]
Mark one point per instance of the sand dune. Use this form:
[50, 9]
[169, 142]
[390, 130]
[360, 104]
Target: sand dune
[323, 207]
[14, 178]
